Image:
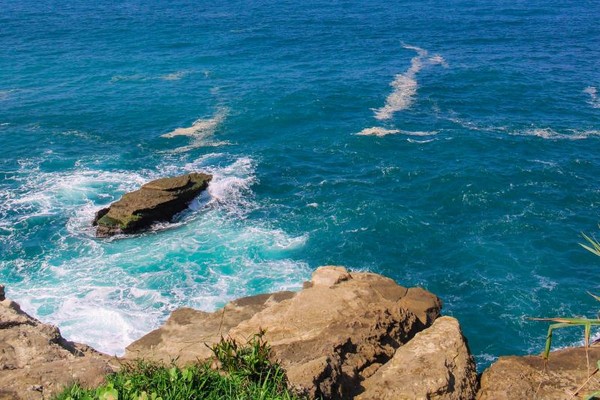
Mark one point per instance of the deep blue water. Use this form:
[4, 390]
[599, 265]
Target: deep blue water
[483, 175]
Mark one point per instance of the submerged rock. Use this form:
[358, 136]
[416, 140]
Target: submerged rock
[331, 336]
[158, 200]
[527, 377]
[36, 361]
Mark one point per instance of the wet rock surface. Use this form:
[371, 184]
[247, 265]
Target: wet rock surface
[156, 201]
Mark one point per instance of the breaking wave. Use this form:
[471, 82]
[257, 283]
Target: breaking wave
[108, 293]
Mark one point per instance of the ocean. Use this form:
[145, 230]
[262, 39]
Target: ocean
[450, 145]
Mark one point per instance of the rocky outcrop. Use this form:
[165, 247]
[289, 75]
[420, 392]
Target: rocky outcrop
[435, 364]
[331, 337]
[343, 336]
[158, 200]
[36, 361]
[514, 378]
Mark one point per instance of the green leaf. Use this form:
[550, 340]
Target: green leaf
[593, 396]
[108, 393]
[173, 374]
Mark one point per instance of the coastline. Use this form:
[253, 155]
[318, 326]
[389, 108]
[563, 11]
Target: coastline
[345, 335]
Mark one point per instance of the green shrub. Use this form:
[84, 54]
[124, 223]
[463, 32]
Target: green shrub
[244, 372]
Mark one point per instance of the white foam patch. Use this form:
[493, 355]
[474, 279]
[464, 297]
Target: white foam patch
[175, 76]
[593, 93]
[200, 132]
[107, 293]
[551, 134]
[420, 141]
[405, 85]
[379, 131]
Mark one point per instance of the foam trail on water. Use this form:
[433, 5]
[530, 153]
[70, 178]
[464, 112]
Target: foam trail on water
[200, 127]
[405, 85]
[174, 76]
[593, 92]
[200, 131]
[551, 134]
[380, 132]
[377, 131]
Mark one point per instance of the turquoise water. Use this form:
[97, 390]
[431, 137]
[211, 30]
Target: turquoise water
[450, 145]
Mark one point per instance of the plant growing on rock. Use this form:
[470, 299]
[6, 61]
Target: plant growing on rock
[593, 246]
[244, 372]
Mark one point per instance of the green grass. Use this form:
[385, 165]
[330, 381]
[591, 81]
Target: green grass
[242, 371]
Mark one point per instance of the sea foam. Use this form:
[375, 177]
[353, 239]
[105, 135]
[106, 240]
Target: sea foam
[200, 131]
[551, 134]
[405, 85]
[108, 293]
[594, 101]
[380, 132]
[175, 76]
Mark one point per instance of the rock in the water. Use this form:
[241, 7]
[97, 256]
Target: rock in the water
[435, 364]
[329, 337]
[36, 361]
[516, 378]
[158, 200]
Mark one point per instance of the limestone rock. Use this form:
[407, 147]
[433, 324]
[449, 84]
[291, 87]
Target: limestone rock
[329, 337]
[36, 361]
[515, 378]
[158, 200]
[187, 331]
[435, 364]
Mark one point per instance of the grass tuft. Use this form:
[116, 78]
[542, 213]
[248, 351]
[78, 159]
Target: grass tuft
[243, 372]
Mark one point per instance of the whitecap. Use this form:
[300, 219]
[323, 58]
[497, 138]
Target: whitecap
[405, 84]
[593, 92]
